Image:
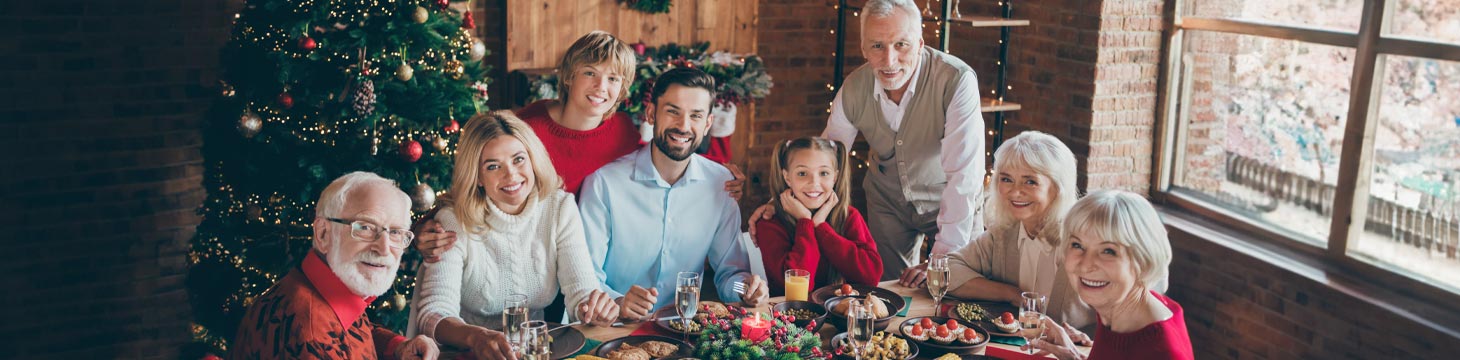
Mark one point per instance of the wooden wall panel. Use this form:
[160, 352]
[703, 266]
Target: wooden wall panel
[539, 31]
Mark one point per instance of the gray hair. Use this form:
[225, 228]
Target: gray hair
[883, 8]
[332, 200]
[1045, 155]
[1129, 220]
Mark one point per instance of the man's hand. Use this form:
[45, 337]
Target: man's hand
[420, 347]
[756, 292]
[490, 345]
[598, 310]
[914, 277]
[636, 304]
[432, 240]
[764, 212]
[736, 186]
[793, 206]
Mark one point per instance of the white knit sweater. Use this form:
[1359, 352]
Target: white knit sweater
[534, 253]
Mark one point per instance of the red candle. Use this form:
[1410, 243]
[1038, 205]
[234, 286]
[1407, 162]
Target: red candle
[755, 328]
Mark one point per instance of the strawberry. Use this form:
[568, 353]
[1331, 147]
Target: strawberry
[1007, 318]
[942, 331]
[916, 331]
[952, 324]
[927, 323]
[846, 288]
[970, 335]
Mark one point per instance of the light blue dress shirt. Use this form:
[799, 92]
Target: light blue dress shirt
[643, 231]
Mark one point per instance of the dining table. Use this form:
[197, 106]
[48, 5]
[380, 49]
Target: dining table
[921, 304]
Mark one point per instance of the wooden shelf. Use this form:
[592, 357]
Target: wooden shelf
[983, 21]
[990, 105]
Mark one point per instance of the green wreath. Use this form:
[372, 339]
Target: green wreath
[648, 6]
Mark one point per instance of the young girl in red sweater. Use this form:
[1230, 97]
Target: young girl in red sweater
[815, 229]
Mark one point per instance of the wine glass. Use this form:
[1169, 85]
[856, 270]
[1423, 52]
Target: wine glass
[860, 326]
[514, 313]
[1031, 316]
[955, 9]
[536, 343]
[687, 299]
[938, 279]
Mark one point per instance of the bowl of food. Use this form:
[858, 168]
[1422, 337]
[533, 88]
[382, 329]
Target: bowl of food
[837, 311]
[883, 346]
[802, 313]
[945, 334]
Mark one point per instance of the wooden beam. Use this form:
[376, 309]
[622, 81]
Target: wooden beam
[1356, 161]
[1245, 27]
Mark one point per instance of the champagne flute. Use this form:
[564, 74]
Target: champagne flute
[860, 322]
[1031, 316]
[537, 344]
[514, 313]
[938, 279]
[687, 299]
[955, 9]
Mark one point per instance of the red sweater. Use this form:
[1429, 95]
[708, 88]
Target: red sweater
[1161, 340]
[311, 314]
[854, 255]
[577, 153]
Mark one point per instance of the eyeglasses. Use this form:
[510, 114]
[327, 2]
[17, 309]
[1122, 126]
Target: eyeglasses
[366, 231]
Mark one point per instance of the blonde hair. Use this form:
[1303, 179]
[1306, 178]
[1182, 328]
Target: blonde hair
[842, 187]
[467, 198]
[597, 47]
[1129, 220]
[1045, 155]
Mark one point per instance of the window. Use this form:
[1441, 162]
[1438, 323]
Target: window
[1265, 101]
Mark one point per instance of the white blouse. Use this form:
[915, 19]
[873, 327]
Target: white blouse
[537, 253]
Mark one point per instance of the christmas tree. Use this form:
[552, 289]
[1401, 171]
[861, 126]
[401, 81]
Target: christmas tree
[311, 90]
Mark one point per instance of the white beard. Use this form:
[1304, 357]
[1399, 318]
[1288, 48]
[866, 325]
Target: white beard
[354, 279]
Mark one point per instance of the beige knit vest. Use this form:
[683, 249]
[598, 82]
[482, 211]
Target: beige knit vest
[910, 158]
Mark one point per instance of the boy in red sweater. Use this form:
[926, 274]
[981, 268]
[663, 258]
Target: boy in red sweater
[814, 222]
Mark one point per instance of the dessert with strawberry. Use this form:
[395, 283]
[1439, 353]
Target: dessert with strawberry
[916, 332]
[1006, 323]
[846, 290]
[942, 335]
[970, 337]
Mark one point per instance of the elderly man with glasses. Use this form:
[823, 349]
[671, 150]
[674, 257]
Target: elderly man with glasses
[317, 310]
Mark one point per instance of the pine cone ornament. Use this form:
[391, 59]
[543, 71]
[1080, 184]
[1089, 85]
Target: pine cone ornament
[364, 98]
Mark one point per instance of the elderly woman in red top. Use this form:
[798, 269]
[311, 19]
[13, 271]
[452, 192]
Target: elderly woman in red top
[816, 230]
[1115, 250]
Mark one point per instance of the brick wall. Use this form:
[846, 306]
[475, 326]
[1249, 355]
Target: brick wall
[100, 104]
[1240, 307]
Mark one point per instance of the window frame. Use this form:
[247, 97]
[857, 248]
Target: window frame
[1355, 161]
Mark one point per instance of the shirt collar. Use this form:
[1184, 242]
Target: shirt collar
[644, 169]
[912, 83]
[346, 305]
[1025, 239]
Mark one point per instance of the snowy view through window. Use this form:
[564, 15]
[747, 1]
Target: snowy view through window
[1266, 122]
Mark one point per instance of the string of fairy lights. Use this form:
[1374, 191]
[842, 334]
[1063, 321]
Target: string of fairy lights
[311, 125]
[937, 21]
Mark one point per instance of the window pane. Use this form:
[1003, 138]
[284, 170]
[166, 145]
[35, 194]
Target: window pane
[1342, 15]
[1412, 222]
[1265, 121]
[1427, 19]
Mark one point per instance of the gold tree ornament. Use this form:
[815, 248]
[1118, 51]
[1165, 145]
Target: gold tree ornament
[423, 197]
[420, 15]
[404, 72]
[478, 50]
[454, 68]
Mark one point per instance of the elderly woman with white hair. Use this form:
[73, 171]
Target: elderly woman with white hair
[1033, 187]
[1115, 251]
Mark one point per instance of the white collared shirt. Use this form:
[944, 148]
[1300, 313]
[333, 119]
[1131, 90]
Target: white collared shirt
[961, 162]
[1036, 264]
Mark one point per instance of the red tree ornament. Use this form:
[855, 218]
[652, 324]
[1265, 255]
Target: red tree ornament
[307, 44]
[639, 48]
[452, 127]
[286, 100]
[410, 151]
[467, 22]
[443, 4]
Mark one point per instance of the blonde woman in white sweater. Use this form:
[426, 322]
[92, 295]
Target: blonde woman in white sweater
[521, 234]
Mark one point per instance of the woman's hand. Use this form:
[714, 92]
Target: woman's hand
[490, 345]
[598, 310]
[794, 207]
[1056, 341]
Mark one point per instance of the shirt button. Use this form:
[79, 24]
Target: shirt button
[899, 143]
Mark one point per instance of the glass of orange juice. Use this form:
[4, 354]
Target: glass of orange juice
[798, 283]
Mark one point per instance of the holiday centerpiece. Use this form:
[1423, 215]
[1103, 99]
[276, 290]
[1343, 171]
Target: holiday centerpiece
[757, 336]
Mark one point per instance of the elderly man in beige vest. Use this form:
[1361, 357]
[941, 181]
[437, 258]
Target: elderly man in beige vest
[918, 108]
